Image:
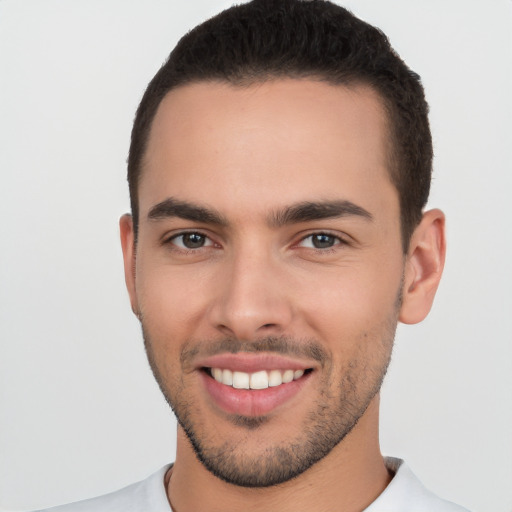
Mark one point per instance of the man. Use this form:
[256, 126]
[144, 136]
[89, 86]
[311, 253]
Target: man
[279, 166]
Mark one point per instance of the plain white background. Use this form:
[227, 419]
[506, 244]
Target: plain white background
[80, 414]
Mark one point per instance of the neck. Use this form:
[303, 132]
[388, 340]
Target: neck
[349, 478]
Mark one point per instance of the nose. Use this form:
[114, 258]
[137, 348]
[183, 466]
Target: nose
[252, 299]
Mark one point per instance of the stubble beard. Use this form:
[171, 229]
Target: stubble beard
[345, 394]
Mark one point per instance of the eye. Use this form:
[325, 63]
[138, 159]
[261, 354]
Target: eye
[191, 241]
[320, 241]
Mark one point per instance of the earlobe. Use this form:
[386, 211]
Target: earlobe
[128, 246]
[423, 267]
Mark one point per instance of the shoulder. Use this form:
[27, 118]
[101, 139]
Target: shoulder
[148, 494]
[406, 493]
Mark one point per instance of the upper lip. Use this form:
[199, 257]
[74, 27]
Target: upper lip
[249, 362]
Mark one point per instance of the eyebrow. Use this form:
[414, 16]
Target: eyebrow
[308, 211]
[300, 212]
[172, 207]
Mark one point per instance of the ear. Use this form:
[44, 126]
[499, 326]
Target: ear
[128, 245]
[423, 267]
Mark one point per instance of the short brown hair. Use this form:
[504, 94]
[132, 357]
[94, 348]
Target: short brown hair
[269, 39]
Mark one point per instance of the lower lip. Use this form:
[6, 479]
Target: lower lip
[252, 403]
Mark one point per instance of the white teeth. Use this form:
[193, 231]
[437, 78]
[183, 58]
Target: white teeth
[227, 377]
[297, 374]
[240, 380]
[275, 378]
[287, 376]
[256, 380]
[259, 380]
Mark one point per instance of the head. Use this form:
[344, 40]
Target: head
[268, 39]
[280, 161]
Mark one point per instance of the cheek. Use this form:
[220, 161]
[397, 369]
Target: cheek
[170, 302]
[352, 302]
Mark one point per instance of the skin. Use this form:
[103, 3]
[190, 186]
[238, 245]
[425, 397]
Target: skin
[245, 154]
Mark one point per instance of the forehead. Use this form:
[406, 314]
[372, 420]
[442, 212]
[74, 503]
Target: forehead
[281, 141]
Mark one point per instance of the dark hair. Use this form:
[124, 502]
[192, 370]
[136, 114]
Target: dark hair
[268, 39]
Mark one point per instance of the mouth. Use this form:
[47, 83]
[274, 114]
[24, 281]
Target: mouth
[253, 385]
[261, 379]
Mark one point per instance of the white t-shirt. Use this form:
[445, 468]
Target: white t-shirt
[405, 493]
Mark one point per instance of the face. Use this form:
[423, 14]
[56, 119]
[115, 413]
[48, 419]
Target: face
[268, 269]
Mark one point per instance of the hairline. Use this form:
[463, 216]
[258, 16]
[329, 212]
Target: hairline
[245, 81]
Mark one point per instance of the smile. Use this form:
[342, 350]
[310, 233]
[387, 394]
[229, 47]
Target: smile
[253, 384]
[262, 379]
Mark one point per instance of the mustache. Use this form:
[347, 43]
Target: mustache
[284, 345]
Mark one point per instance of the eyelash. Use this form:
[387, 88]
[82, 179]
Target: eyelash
[172, 241]
[338, 241]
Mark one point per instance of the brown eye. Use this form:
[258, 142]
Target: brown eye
[191, 241]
